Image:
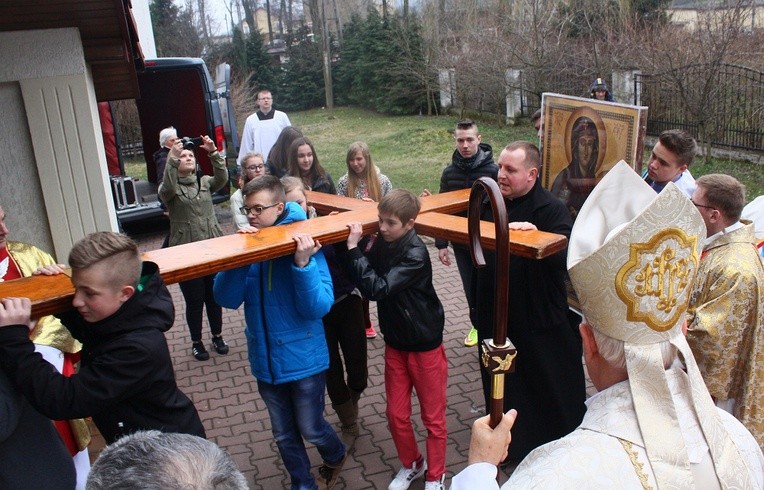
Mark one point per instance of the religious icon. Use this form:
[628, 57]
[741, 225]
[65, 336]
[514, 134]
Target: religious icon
[583, 139]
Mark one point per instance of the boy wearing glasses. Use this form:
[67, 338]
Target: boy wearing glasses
[670, 161]
[284, 301]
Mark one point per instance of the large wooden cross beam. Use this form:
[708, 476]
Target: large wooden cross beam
[53, 294]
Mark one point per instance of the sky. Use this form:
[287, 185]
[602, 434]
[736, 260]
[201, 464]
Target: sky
[218, 13]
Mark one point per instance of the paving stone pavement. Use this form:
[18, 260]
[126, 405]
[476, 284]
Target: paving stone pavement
[234, 416]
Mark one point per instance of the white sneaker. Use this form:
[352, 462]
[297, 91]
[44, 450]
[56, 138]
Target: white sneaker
[435, 485]
[406, 475]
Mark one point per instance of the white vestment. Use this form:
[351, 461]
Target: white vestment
[260, 135]
[599, 453]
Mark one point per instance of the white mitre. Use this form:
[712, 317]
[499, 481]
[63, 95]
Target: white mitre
[632, 259]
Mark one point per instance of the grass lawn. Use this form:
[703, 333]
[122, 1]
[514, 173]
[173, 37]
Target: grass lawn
[413, 150]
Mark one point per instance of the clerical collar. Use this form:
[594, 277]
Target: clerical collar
[710, 240]
[263, 116]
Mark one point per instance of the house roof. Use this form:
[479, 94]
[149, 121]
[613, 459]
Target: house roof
[108, 32]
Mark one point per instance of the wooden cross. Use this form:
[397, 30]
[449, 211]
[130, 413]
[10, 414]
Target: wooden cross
[53, 294]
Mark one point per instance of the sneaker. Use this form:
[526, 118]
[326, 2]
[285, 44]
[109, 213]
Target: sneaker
[435, 485]
[472, 338]
[219, 344]
[199, 352]
[406, 475]
[328, 473]
[370, 332]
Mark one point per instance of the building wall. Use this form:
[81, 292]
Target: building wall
[20, 192]
[140, 9]
[688, 17]
[50, 119]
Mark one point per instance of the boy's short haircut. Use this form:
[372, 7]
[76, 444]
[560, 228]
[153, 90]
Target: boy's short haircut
[532, 153]
[467, 124]
[724, 193]
[265, 183]
[290, 183]
[400, 203]
[680, 143]
[119, 250]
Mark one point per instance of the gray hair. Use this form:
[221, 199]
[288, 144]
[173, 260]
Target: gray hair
[166, 133]
[153, 460]
[612, 350]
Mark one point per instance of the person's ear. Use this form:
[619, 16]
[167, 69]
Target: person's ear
[715, 216]
[410, 223]
[587, 339]
[126, 292]
[533, 173]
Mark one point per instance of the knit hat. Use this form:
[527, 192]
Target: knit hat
[632, 259]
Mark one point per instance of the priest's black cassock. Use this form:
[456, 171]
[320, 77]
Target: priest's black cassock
[547, 387]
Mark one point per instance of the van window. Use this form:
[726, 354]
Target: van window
[178, 97]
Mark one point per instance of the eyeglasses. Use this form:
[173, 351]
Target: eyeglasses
[255, 167]
[255, 210]
[701, 205]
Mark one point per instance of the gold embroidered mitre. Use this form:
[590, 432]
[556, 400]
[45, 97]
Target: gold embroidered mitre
[632, 259]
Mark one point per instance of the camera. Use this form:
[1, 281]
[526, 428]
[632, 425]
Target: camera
[191, 143]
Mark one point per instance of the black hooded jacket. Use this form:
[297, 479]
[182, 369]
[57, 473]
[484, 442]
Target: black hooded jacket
[125, 382]
[463, 172]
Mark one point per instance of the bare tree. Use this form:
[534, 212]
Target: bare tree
[250, 8]
[268, 15]
[204, 22]
[671, 53]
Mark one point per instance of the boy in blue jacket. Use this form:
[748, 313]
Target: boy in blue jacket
[284, 301]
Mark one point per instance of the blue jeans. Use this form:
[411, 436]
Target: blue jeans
[297, 411]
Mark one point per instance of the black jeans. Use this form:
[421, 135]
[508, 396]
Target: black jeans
[344, 326]
[198, 294]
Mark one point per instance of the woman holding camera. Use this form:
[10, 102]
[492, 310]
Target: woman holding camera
[188, 197]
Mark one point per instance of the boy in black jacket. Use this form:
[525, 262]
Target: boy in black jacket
[397, 274]
[122, 309]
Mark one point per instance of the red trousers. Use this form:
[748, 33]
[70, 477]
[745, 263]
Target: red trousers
[427, 373]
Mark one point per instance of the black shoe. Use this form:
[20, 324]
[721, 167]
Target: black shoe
[219, 344]
[199, 352]
[328, 473]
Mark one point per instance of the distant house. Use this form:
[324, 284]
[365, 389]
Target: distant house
[58, 60]
[261, 19]
[688, 13]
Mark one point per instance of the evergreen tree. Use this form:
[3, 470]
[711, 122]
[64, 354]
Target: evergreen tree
[302, 79]
[381, 65]
[174, 31]
[259, 63]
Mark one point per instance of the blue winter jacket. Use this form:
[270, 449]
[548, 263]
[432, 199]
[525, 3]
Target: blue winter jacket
[283, 307]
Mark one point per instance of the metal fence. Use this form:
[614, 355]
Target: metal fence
[723, 105]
